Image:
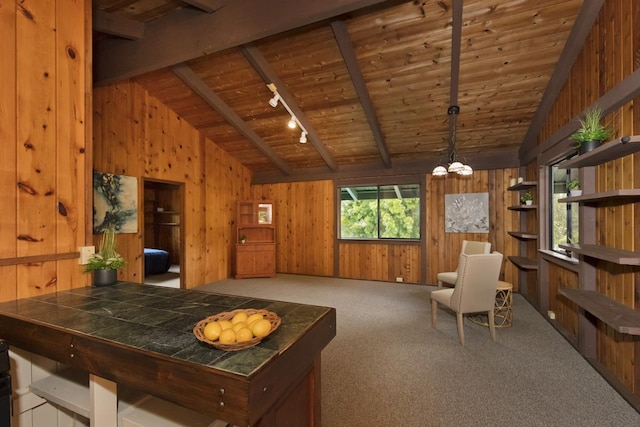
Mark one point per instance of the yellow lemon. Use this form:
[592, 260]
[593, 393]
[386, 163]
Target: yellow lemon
[239, 325]
[225, 324]
[212, 331]
[244, 334]
[261, 328]
[253, 318]
[240, 316]
[227, 336]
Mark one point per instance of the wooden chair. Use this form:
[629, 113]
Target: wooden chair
[474, 291]
[469, 247]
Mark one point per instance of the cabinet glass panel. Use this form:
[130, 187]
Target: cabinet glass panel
[264, 213]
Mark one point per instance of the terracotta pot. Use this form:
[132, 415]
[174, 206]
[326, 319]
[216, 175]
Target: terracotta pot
[105, 277]
[587, 146]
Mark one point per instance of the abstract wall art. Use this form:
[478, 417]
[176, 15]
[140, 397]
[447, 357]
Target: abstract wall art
[115, 203]
[466, 213]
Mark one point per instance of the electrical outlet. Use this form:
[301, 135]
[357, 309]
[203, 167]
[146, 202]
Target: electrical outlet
[85, 254]
[551, 315]
[399, 279]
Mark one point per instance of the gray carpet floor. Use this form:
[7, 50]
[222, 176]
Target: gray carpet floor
[388, 367]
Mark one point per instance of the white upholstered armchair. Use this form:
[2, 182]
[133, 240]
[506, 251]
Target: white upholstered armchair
[474, 291]
[469, 247]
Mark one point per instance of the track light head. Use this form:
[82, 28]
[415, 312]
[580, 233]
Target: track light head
[303, 137]
[274, 101]
[292, 123]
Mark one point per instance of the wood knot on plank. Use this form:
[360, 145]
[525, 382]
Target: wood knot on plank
[50, 282]
[26, 188]
[71, 52]
[25, 12]
[62, 209]
[27, 238]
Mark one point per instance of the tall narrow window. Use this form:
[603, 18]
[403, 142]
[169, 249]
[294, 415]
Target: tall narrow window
[564, 218]
[380, 212]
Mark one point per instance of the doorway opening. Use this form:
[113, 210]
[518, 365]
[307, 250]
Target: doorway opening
[163, 233]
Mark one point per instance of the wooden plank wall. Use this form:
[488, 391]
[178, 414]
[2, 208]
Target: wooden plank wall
[608, 56]
[306, 229]
[137, 135]
[44, 78]
[443, 248]
[305, 225]
[566, 311]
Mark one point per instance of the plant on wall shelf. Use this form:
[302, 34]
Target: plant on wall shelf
[591, 132]
[574, 188]
[527, 198]
[243, 238]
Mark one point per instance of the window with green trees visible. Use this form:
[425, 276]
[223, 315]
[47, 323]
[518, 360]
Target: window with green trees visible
[563, 217]
[380, 212]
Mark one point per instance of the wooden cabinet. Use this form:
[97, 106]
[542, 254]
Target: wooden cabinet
[255, 248]
[620, 317]
[521, 260]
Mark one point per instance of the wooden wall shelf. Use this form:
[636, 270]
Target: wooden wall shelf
[609, 151]
[526, 185]
[618, 316]
[616, 256]
[523, 207]
[524, 263]
[622, 196]
[523, 235]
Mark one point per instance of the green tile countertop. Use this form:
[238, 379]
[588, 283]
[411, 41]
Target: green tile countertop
[161, 320]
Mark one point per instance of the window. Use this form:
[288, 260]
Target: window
[564, 218]
[380, 212]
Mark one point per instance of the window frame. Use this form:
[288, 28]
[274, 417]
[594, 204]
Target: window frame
[409, 180]
[569, 209]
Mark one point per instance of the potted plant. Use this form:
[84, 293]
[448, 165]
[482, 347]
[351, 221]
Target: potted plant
[527, 198]
[574, 188]
[591, 132]
[106, 262]
[243, 239]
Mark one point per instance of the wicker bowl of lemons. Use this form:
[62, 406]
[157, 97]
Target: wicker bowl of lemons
[237, 329]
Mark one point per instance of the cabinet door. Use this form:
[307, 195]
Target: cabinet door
[245, 260]
[265, 258]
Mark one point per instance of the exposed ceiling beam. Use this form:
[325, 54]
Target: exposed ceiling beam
[343, 39]
[192, 80]
[207, 5]
[117, 25]
[485, 160]
[456, 35]
[188, 33]
[265, 71]
[579, 32]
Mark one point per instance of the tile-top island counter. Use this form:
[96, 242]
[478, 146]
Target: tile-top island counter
[141, 336]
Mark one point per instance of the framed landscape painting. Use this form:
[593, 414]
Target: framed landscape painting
[115, 203]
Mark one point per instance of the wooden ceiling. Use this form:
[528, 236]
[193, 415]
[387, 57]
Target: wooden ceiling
[371, 81]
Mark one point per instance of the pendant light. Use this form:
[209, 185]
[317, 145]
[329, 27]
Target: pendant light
[454, 166]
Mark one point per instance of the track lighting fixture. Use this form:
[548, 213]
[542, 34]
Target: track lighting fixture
[455, 166]
[274, 101]
[293, 122]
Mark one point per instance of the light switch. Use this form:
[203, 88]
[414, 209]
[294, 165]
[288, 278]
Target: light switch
[85, 253]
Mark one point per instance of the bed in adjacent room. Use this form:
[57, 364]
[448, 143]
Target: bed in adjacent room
[156, 261]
